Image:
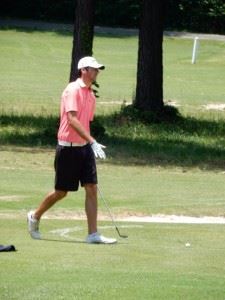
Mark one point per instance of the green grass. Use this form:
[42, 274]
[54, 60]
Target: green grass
[130, 189]
[173, 168]
[152, 264]
[194, 85]
[35, 68]
[189, 142]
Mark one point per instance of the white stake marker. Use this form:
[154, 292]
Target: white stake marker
[195, 49]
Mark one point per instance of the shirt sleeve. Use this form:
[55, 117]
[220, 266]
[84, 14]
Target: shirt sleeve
[71, 100]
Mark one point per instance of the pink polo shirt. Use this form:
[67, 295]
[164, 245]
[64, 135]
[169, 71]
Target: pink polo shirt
[79, 98]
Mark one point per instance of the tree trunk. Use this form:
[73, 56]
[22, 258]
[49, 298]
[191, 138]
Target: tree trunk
[149, 89]
[83, 34]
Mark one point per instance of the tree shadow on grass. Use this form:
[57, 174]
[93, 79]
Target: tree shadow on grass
[188, 142]
[28, 130]
[167, 152]
[64, 29]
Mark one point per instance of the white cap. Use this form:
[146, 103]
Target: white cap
[89, 61]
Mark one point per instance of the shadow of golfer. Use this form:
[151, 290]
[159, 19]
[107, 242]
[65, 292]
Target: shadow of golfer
[79, 242]
[63, 241]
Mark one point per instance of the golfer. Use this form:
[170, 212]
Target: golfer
[76, 151]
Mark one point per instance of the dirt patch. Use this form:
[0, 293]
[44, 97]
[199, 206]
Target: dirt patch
[172, 103]
[175, 219]
[125, 217]
[220, 107]
[11, 198]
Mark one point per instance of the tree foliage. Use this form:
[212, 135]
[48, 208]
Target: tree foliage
[192, 15]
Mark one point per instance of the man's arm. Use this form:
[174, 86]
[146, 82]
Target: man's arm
[75, 123]
[78, 127]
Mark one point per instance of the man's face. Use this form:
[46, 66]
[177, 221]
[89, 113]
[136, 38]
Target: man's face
[91, 73]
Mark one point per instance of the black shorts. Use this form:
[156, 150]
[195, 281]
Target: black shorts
[74, 165]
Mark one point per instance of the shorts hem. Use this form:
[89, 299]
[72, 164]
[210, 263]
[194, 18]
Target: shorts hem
[88, 182]
[67, 189]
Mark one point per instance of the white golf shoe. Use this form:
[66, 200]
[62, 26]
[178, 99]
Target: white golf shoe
[33, 226]
[96, 238]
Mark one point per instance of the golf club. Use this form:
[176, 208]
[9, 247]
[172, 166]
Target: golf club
[111, 216]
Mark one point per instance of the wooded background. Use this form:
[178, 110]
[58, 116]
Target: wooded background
[191, 15]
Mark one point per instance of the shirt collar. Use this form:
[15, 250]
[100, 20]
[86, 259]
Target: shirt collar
[81, 83]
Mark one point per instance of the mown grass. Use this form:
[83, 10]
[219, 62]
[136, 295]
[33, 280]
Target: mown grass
[156, 168]
[153, 264]
[35, 68]
[31, 84]
[27, 174]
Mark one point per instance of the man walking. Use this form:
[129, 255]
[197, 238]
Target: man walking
[76, 151]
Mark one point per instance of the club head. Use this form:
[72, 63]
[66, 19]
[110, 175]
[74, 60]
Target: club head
[121, 235]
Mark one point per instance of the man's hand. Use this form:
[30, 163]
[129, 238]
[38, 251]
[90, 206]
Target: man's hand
[97, 149]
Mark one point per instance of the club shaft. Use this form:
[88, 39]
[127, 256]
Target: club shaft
[106, 205]
[109, 211]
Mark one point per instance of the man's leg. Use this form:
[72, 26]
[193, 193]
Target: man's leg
[34, 217]
[91, 207]
[91, 211]
[48, 202]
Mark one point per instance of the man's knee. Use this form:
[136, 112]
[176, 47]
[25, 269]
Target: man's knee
[91, 189]
[60, 194]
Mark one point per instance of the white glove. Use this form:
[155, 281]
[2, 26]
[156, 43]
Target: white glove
[97, 149]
